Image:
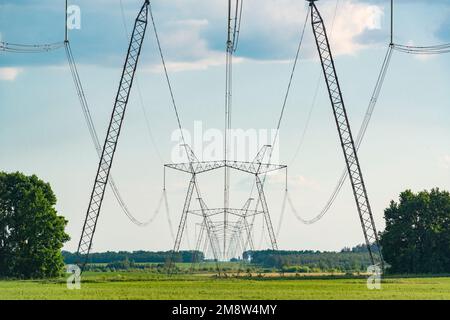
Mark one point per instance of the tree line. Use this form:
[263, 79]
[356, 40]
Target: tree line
[137, 257]
[347, 260]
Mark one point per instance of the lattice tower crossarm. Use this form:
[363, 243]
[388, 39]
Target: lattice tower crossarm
[198, 167]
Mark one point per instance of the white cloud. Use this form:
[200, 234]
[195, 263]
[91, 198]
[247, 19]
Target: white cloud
[270, 31]
[186, 49]
[9, 74]
[352, 21]
[185, 40]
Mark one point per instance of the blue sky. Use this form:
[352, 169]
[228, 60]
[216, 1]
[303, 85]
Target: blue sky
[42, 130]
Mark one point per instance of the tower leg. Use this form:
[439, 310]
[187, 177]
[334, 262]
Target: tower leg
[265, 208]
[198, 246]
[249, 241]
[210, 233]
[187, 204]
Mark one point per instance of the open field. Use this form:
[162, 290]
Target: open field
[135, 285]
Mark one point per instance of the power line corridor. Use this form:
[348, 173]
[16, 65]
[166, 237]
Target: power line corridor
[233, 232]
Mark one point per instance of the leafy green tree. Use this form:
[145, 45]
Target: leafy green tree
[31, 232]
[417, 234]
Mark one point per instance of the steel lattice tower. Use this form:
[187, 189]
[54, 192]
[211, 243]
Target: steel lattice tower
[112, 136]
[345, 136]
[216, 230]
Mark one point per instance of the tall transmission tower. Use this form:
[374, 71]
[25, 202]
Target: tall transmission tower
[345, 136]
[112, 136]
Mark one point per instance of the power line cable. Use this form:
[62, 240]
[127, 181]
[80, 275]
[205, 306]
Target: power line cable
[30, 48]
[166, 74]
[169, 219]
[94, 136]
[429, 50]
[283, 209]
[313, 103]
[359, 139]
[238, 28]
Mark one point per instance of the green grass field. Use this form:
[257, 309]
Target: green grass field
[135, 285]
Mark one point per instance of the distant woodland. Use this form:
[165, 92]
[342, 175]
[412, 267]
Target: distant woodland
[349, 259]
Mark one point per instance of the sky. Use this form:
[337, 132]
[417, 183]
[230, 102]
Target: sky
[42, 129]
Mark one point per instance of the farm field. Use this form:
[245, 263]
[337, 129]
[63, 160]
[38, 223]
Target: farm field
[140, 285]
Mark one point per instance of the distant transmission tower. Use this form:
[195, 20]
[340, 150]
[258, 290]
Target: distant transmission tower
[221, 237]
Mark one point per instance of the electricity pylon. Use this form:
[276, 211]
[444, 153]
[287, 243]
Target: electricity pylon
[112, 136]
[194, 167]
[345, 136]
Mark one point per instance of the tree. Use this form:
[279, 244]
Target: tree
[31, 232]
[417, 234]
